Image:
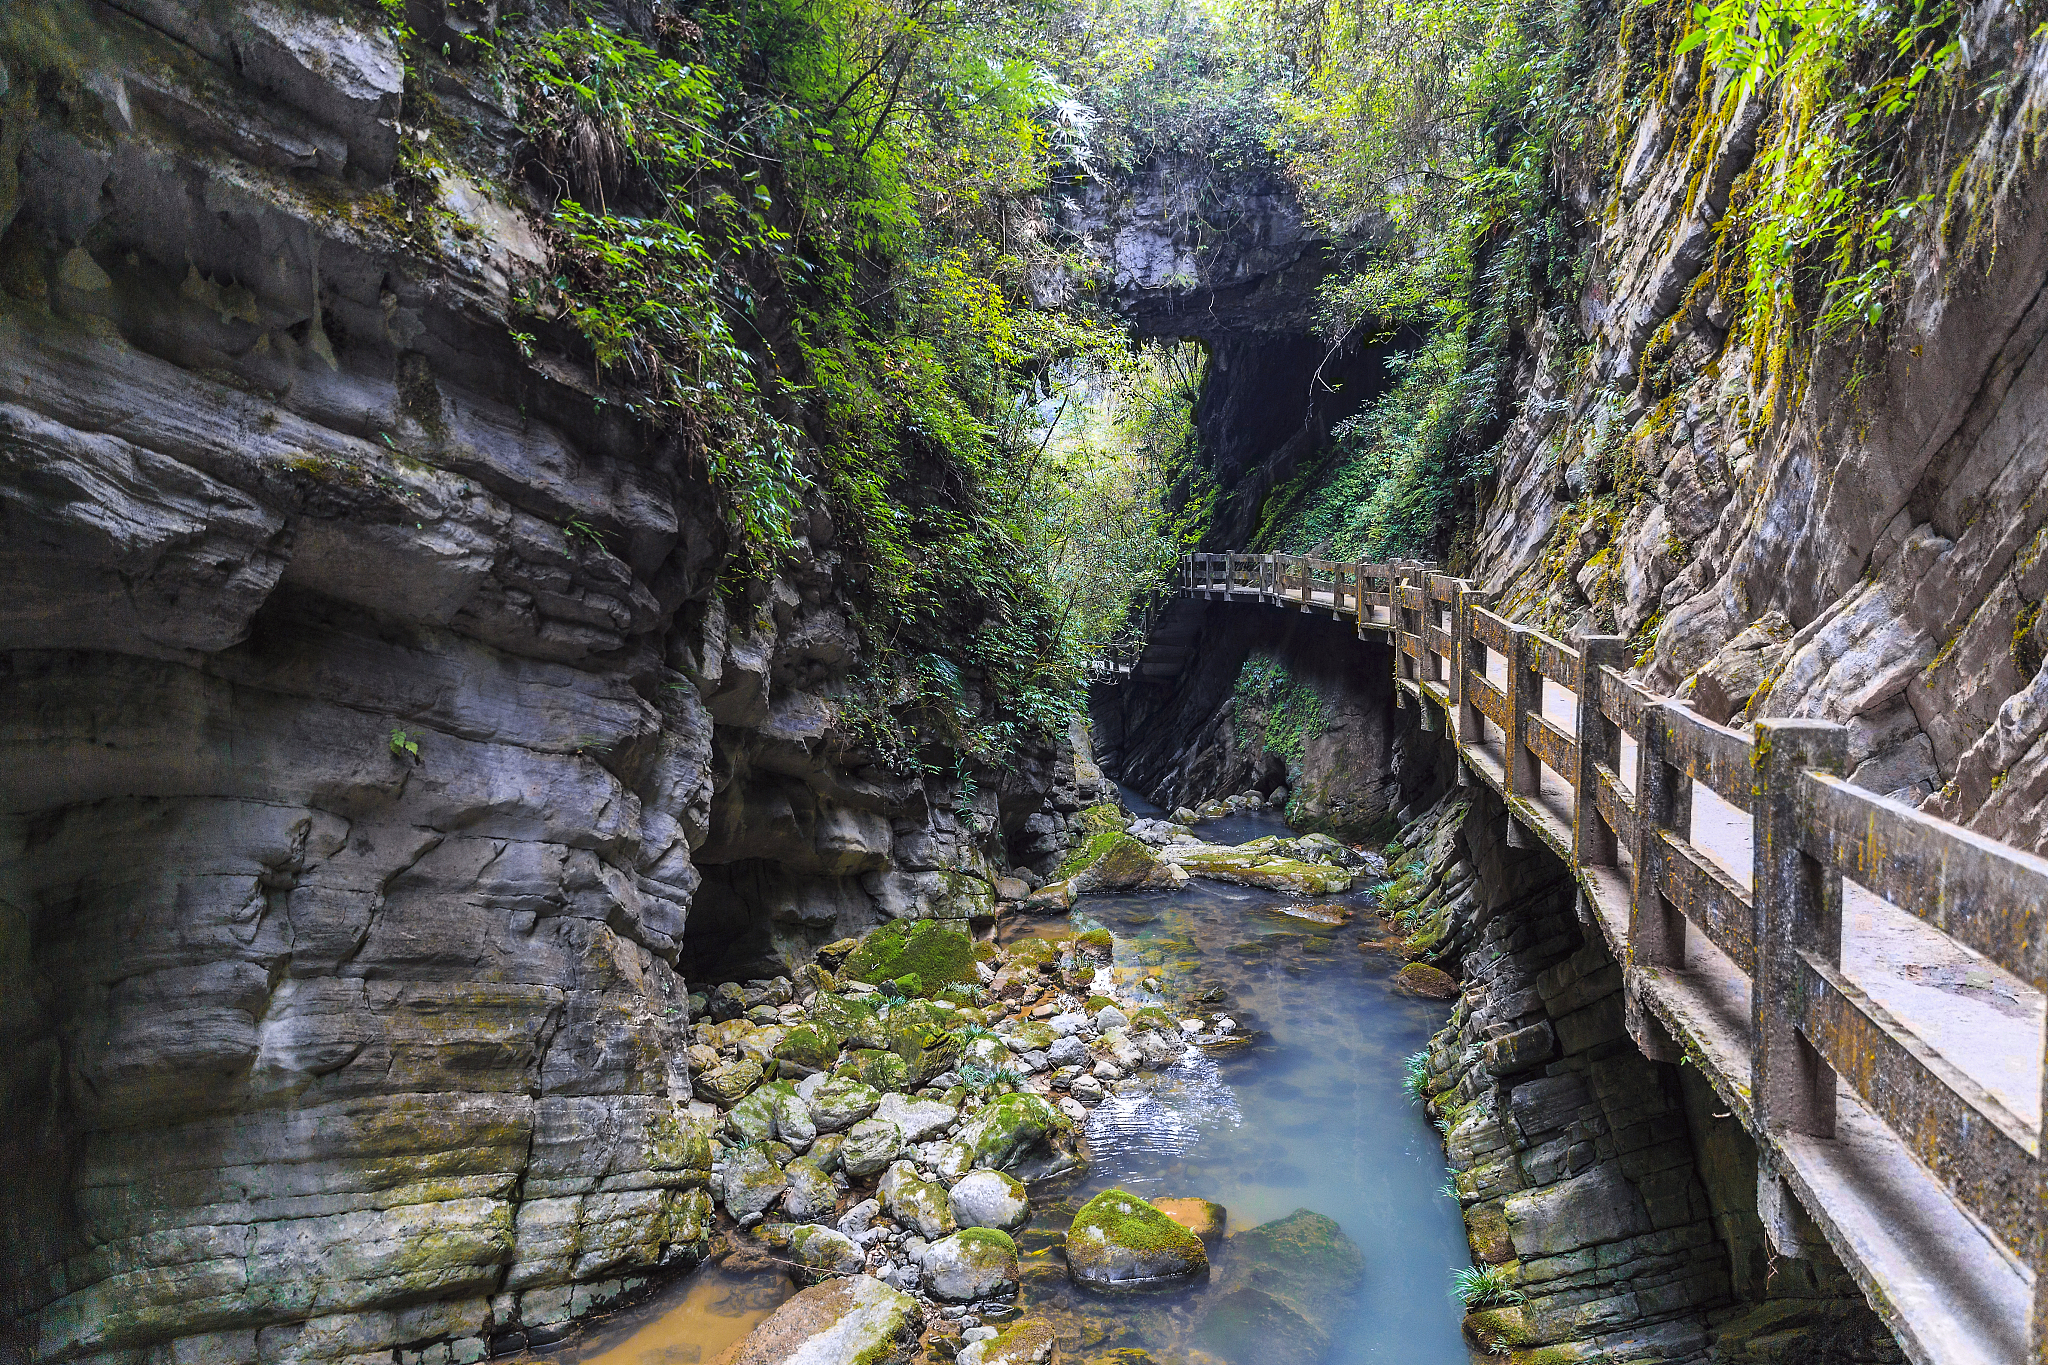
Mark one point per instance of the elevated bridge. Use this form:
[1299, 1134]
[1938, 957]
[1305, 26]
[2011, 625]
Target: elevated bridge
[1861, 982]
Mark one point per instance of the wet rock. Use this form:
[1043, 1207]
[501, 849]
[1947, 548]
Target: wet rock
[1113, 862]
[1250, 865]
[842, 1102]
[1030, 1342]
[1199, 1216]
[726, 1085]
[1249, 1324]
[1430, 983]
[820, 1248]
[974, 1263]
[810, 1195]
[752, 1181]
[870, 1146]
[1118, 1242]
[855, 1319]
[1051, 899]
[990, 1199]
[1020, 1133]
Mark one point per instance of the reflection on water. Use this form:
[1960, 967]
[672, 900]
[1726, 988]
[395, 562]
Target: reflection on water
[690, 1324]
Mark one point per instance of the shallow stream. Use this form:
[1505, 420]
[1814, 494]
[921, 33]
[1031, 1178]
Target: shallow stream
[1308, 1115]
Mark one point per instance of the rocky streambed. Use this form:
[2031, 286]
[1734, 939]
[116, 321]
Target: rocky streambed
[1165, 1126]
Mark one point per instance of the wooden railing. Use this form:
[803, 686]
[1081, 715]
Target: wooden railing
[1929, 1186]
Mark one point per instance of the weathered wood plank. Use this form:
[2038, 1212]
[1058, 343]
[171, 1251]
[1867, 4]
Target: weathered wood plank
[1709, 898]
[1986, 894]
[1554, 660]
[1971, 1142]
[1708, 753]
[1552, 746]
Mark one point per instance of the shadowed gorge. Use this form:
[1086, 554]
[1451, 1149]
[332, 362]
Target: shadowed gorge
[729, 657]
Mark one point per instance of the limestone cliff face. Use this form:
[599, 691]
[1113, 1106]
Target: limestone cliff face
[1870, 555]
[383, 757]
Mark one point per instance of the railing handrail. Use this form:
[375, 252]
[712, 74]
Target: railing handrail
[1809, 829]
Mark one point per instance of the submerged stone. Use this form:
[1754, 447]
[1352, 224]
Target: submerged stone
[1200, 1216]
[1250, 1324]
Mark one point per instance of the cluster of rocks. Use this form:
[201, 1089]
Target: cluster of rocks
[1218, 807]
[884, 1112]
[1127, 855]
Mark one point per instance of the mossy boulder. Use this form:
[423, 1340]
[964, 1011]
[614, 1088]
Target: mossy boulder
[824, 1251]
[841, 1102]
[1104, 818]
[752, 1181]
[855, 1320]
[922, 1034]
[807, 1048]
[937, 952]
[1251, 865]
[921, 1204]
[1030, 1342]
[1033, 1035]
[726, 1085]
[882, 1070]
[974, 1263]
[1119, 1243]
[855, 1020]
[810, 1194]
[1113, 861]
[870, 1146]
[1018, 1132]
[753, 1118]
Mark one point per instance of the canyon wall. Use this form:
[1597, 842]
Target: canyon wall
[390, 747]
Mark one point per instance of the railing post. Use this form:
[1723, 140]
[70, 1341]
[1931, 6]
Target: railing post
[1798, 910]
[1593, 843]
[1525, 694]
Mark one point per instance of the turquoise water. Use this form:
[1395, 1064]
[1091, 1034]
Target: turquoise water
[1311, 1115]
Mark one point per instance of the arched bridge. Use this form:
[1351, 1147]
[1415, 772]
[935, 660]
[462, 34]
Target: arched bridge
[1762, 909]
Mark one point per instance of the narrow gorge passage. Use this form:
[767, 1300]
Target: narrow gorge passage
[596, 626]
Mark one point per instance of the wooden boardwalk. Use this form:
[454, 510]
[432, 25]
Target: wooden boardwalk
[1890, 1064]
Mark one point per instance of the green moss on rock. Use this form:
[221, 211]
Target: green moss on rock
[1119, 1242]
[937, 952]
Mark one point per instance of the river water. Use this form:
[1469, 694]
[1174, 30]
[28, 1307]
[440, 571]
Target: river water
[1309, 1115]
